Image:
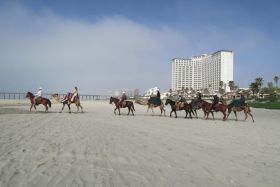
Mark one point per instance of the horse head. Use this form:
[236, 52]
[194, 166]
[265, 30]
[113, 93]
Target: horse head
[29, 94]
[167, 101]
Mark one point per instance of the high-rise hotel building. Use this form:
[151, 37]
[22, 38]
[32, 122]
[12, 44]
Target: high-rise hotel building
[204, 71]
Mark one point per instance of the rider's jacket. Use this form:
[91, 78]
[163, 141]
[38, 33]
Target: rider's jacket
[39, 93]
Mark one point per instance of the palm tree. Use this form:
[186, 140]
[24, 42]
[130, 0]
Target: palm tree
[254, 88]
[259, 82]
[276, 79]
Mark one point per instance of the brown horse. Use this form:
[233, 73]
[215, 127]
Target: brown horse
[42, 100]
[68, 102]
[207, 108]
[187, 107]
[245, 108]
[125, 104]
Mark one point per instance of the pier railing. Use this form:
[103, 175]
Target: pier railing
[19, 96]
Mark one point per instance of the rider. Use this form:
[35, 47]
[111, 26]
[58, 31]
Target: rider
[215, 101]
[242, 99]
[123, 99]
[223, 101]
[158, 94]
[180, 102]
[74, 94]
[199, 95]
[38, 95]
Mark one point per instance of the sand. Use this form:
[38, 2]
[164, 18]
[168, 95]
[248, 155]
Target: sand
[98, 148]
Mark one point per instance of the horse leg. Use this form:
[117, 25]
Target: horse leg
[69, 108]
[235, 115]
[115, 110]
[186, 114]
[229, 111]
[212, 114]
[46, 108]
[119, 111]
[62, 107]
[35, 108]
[251, 116]
[225, 116]
[175, 113]
[77, 108]
[128, 110]
[190, 113]
[245, 112]
[148, 108]
[132, 110]
[81, 107]
[31, 107]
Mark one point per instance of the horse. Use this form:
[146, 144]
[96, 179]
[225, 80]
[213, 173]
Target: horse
[42, 100]
[235, 109]
[127, 104]
[152, 104]
[207, 108]
[196, 105]
[68, 102]
[187, 107]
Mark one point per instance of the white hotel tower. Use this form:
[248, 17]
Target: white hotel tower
[204, 71]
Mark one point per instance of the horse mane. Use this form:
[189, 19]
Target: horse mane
[30, 93]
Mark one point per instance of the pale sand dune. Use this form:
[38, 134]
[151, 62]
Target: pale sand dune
[97, 148]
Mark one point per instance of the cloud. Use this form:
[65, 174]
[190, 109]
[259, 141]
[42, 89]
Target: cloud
[45, 49]
[110, 53]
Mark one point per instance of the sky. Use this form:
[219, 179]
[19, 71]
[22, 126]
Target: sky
[108, 45]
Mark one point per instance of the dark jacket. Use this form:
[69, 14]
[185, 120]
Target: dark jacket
[215, 99]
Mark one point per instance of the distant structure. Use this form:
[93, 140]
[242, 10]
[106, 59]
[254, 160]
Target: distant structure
[204, 71]
[151, 92]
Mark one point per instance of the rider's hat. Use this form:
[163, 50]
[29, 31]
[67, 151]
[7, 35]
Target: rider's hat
[40, 88]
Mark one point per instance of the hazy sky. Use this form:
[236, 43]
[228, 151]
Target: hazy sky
[125, 44]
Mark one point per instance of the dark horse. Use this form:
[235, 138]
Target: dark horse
[127, 104]
[207, 108]
[235, 109]
[187, 107]
[68, 102]
[42, 100]
[196, 105]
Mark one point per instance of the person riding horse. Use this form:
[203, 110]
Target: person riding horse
[239, 102]
[215, 101]
[180, 102]
[75, 93]
[38, 96]
[71, 96]
[242, 100]
[158, 94]
[123, 99]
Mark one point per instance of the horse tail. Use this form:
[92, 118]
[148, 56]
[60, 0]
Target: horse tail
[49, 103]
[133, 106]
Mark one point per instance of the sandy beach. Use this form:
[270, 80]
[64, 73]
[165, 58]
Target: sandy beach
[98, 148]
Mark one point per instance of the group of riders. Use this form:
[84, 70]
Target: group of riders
[180, 101]
[70, 96]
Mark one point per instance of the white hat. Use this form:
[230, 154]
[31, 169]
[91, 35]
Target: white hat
[40, 88]
[215, 93]
[123, 92]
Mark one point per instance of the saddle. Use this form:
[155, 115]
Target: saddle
[37, 100]
[123, 103]
[180, 105]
